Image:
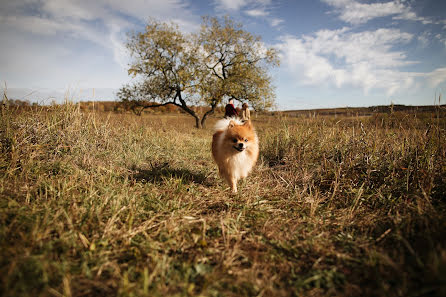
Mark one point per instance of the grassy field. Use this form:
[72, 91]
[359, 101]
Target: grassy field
[103, 204]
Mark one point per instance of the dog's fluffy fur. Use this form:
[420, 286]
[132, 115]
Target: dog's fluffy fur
[235, 148]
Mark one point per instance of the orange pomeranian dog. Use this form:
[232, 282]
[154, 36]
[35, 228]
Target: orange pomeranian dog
[235, 148]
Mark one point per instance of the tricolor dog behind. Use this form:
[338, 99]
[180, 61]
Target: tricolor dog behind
[235, 148]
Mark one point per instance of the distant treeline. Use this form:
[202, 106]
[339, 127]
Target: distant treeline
[112, 106]
[121, 107]
[366, 111]
[18, 102]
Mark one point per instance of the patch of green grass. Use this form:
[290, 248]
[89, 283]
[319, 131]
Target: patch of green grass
[119, 205]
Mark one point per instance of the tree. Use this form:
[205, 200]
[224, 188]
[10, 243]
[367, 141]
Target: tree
[220, 61]
[164, 64]
[236, 65]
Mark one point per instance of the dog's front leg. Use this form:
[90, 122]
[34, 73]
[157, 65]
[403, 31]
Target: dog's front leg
[233, 184]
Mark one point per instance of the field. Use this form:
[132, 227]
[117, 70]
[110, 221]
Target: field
[105, 204]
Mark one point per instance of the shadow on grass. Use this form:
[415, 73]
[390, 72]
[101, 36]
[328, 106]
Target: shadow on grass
[160, 172]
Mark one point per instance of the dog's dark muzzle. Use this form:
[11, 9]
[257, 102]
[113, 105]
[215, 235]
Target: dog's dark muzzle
[240, 147]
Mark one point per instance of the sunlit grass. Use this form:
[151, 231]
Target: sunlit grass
[114, 204]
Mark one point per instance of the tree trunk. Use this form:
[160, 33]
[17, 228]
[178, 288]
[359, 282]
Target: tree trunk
[137, 111]
[208, 113]
[189, 110]
[198, 123]
[192, 113]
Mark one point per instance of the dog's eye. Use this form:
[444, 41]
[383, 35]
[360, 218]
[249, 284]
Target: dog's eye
[246, 139]
[234, 140]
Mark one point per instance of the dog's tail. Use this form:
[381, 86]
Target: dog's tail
[223, 124]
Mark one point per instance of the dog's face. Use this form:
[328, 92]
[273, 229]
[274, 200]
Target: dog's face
[239, 137]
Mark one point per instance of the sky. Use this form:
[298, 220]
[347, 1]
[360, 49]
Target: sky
[334, 53]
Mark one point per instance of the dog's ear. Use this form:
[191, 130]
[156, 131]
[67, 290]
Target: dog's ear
[247, 123]
[231, 124]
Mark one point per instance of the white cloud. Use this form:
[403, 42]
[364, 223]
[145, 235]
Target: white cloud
[112, 9]
[441, 39]
[252, 8]
[375, 47]
[32, 24]
[120, 52]
[75, 17]
[72, 9]
[231, 4]
[262, 9]
[256, 12]
[436, 77]
[424, 39]
[186, 25]
[142, 9]
[276, 22]
[101, 22]
[51, 27]
[343, 58]
[355, 13]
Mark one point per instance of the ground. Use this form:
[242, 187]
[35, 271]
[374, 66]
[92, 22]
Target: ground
[106, 204]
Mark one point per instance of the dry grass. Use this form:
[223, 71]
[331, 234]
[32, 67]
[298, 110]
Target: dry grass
[114, 204]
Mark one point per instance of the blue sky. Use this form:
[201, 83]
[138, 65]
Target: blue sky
[334, 53]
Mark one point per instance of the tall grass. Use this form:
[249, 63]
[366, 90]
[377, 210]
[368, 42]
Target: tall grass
[95, 204]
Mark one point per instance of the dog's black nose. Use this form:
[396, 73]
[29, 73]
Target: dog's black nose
[240, 145]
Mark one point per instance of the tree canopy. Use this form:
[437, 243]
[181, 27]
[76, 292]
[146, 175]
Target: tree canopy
[219, 62]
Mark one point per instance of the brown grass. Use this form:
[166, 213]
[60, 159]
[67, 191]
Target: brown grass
[97, 204]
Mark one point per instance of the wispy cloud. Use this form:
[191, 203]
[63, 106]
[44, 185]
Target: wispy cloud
[252, 8]
[91, 20]
[341, 57]
[276, 22]
[230, 4]
[256, 12]
[436, 77]
[424, 39]
[101, 22]
[441, 38]
[355, 13]
[240, 4]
